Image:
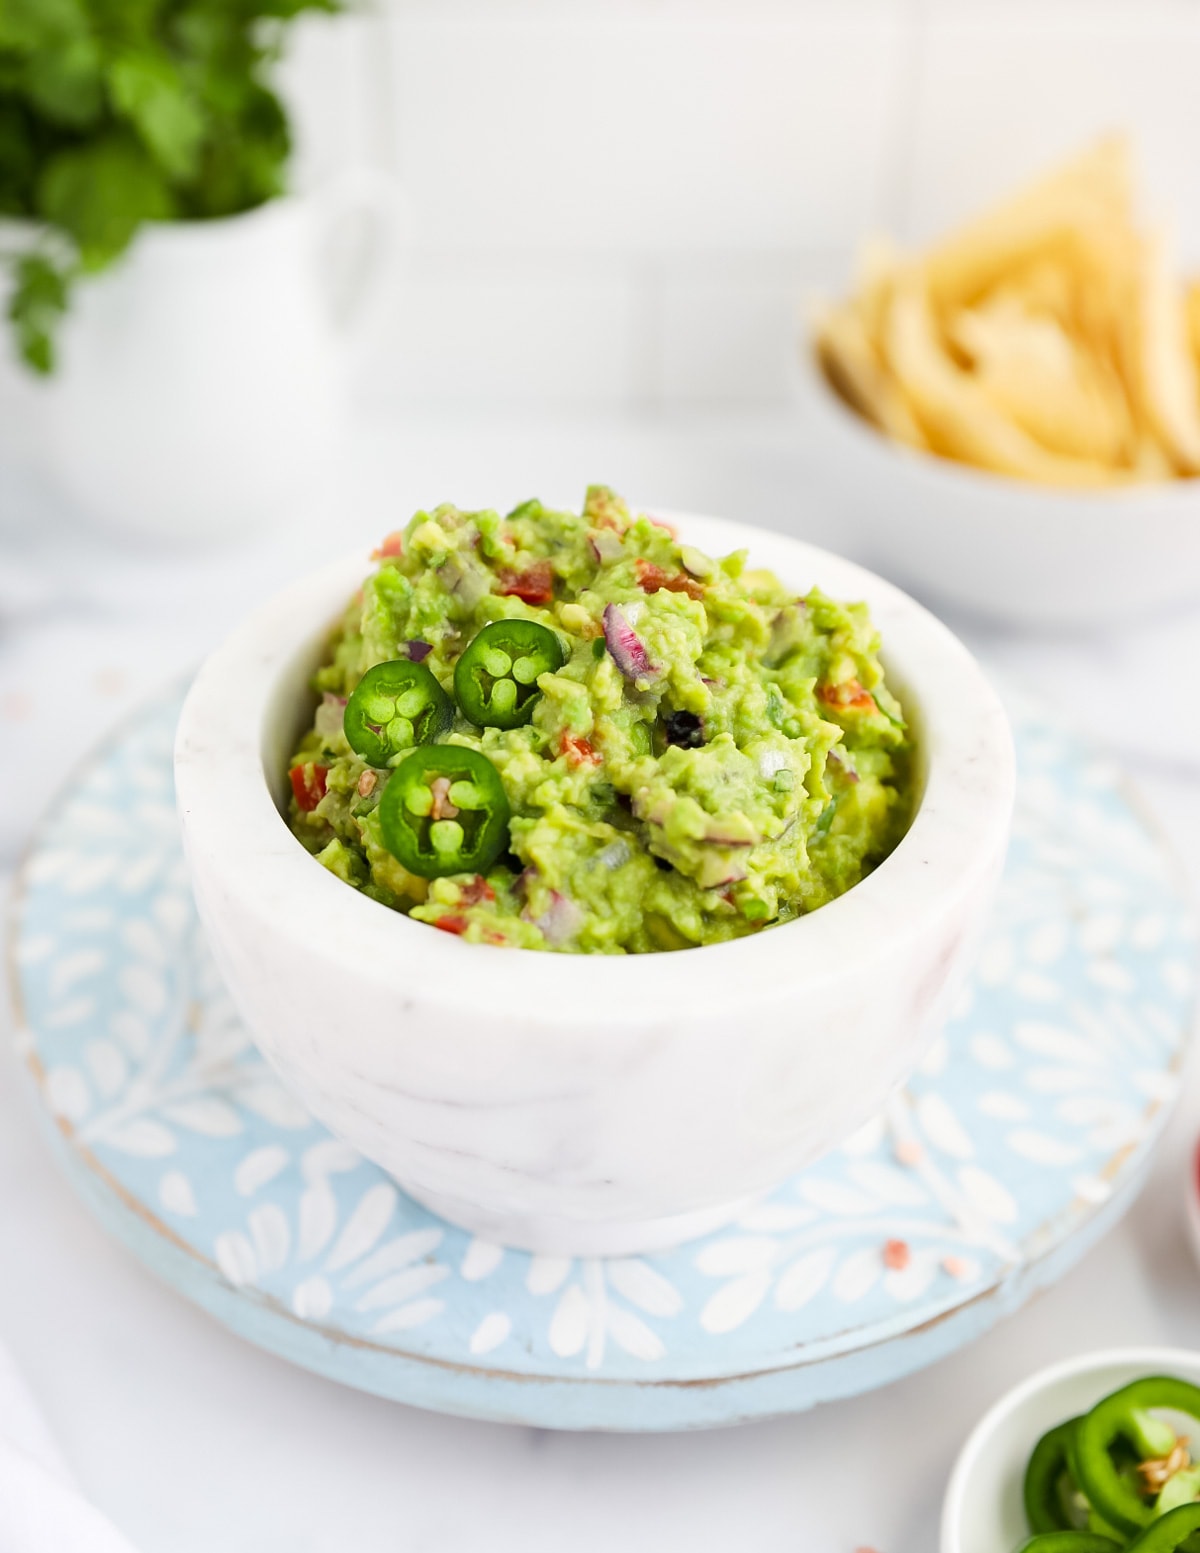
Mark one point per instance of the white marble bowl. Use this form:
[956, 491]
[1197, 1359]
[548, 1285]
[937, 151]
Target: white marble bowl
[583, 1104]
[983, 1511]
[1011, 552]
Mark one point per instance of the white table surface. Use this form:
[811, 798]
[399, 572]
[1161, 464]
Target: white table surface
[194, 1442]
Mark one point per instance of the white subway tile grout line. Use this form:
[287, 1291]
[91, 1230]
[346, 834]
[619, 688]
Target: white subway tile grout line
[900, 154]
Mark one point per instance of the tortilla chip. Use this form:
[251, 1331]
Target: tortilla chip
[956, 414]
[853, 367]
[1045, 379]
[1164, 367]
[1092, 189]
[1045, 339]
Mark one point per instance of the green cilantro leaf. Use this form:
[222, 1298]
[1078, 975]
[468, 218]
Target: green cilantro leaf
[38, 301]
[67, 84]
[28, 26]
[101, 193]
[117, 112]
[147, 89]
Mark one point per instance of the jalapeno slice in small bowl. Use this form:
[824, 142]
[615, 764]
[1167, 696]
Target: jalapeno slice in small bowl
[394, 707]
[445, 811]
[1070, 1542]
[1048, 1466]
[495, 680]
[1120, 1417]
[1171, 1533]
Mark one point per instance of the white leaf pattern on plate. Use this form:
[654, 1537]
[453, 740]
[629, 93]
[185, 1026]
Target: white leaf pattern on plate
[805, 1278]
[176, 1195]
[481, 1258]
[735, 1302]
[493, 1330]
[258, 1167]
[367, 1223]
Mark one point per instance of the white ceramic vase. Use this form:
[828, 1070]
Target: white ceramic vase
[200, 379]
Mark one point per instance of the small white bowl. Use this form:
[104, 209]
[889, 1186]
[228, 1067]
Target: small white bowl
[1012, 552]
[1192, 1200]
[579, 1104]
[982, 1511]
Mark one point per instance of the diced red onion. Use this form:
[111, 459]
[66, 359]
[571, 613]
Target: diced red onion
[787, 628]
[465, 579]
[627, 648]
[418, 651]
[328, 721]
[606, 546]
[716, 871]
[848, 770]
[561, 920]
[696, 562]
[715, 836]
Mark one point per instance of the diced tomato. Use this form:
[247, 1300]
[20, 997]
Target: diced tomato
[849, 696]
[454, 923]
[308, 784]
[478, 890]
[651, 578]
[533, 586]
[393, 545]
[896, 1255]
[579, 752]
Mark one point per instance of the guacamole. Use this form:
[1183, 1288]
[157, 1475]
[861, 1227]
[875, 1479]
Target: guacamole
[599, 739]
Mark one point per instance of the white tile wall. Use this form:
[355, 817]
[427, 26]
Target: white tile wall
[725, 326]
[629, 132]
[331, 78]
[492, 327]
[1008, 85]
[612, 203]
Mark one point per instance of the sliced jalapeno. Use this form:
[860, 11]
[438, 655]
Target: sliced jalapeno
[495, 680]
[1169, 1533]
[393, 707]
[1117, 1419]
[445, 811]
[1070, 1542]
[1048, 1466]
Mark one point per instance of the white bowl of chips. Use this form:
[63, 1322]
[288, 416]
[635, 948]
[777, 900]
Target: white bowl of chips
[1011, 420]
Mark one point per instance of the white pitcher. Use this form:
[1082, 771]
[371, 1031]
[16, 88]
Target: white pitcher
[201, 381]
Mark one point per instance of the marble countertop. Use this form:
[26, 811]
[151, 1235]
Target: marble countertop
[191, 1440]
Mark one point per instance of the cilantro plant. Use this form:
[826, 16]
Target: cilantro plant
[117, 112]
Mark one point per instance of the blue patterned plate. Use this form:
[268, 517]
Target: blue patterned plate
[1020, 1141]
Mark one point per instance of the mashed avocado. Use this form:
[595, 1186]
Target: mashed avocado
[714, 755]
